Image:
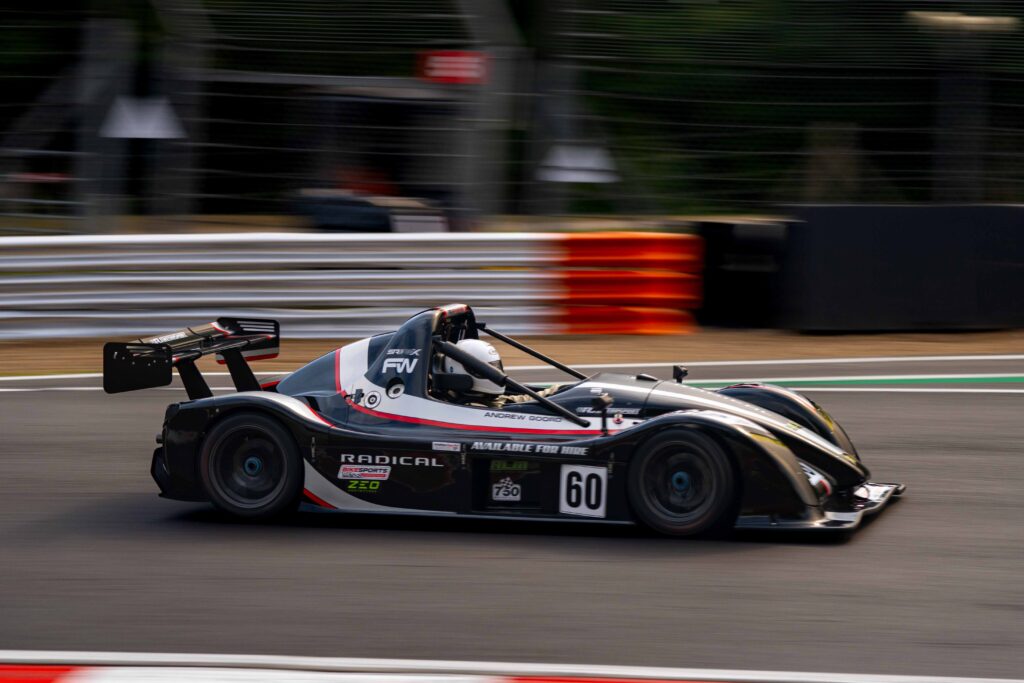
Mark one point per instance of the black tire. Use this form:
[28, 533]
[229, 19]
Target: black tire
[682, 483]
[250, 467]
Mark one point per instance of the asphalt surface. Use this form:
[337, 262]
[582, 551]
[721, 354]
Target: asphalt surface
[90, 558]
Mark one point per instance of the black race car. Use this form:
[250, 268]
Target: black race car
[371, 428]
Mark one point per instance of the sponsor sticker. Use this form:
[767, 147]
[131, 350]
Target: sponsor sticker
[521, 417]
[406, 460]
[378, 472]
[509, 465]
[168, 337]
[446, 446]
[528, 448]
[506, 490]
[403, 365]
[362, 485]
[588, 410]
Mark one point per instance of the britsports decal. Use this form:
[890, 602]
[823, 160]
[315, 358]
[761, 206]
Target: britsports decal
[379, 472]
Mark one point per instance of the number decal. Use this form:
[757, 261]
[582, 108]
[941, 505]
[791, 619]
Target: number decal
[583, 491]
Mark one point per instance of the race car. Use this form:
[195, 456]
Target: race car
[392, 424]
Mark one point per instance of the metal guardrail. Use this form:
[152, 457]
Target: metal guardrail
[335, 285]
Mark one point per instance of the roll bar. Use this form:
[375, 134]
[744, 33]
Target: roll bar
[502, 380]
[533, 352]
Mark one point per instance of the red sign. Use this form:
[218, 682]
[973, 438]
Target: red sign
[453, 66]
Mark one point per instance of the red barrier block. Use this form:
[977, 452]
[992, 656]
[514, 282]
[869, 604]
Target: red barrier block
[664, 251]
[632, 288]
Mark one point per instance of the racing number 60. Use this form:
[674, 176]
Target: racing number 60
[583, 491]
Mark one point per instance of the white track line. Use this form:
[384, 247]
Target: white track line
[659, 364]
[788, 361]
[413, 666]
[902, 390]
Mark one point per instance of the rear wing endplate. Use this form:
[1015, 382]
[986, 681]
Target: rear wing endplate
[148, 362]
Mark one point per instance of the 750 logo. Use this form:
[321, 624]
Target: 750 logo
[506, 490]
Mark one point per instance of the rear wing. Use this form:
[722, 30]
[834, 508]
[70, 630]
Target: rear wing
[148, 362]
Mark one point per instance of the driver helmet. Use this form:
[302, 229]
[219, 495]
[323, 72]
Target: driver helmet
[483, 352]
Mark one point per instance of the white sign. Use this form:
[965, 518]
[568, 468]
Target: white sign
[582, 491]
[142, 117]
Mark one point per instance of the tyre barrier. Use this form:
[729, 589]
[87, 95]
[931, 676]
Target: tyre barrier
[348, 285]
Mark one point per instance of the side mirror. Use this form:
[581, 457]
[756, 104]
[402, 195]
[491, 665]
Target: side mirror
[601, 404]
[678, 373]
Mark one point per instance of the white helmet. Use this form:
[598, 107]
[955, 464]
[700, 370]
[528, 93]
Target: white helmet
[484, 353]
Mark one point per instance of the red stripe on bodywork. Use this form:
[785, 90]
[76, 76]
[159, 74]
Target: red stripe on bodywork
[13, 673]
[316, 499]
[319, 417]
[270, 385]
[475, 428]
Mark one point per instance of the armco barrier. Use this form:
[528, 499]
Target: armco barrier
[338, 285]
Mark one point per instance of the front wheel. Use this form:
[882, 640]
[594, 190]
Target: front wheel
[251, 467]
[683, 483]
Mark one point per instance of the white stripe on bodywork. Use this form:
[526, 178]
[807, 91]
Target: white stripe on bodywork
[474, 416]
[353, 361]
[293, 405]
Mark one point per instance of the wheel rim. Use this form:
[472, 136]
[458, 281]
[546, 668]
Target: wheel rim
[681, 484]
[247, 468]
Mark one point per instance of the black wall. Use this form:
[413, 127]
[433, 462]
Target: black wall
[835, 268]
[902, 268]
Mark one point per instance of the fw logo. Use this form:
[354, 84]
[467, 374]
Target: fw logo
[400, 364]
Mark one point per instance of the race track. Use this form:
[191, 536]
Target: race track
[92, 559]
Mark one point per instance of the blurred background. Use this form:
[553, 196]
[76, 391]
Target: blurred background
[228, 112]
[757, 126]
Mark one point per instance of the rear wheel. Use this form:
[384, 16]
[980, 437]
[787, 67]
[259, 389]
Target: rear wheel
[682, 483]
[251, 467]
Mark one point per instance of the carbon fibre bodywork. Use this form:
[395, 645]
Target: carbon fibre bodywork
[378, 434]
